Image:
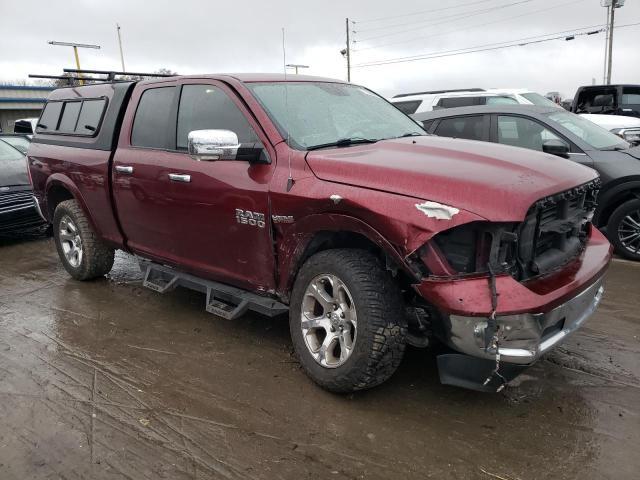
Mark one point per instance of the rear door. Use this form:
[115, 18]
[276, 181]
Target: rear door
[211, 218]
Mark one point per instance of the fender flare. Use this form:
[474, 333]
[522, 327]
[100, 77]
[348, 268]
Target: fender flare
[608, 195]
[296, 239]
[61, 180]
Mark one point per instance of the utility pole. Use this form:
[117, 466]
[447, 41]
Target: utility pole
[75, 53]
[611, 5]
[348, 52]
[120, 44]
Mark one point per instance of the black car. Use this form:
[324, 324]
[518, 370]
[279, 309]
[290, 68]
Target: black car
[18, 211]
[17, 140]
[566, 135]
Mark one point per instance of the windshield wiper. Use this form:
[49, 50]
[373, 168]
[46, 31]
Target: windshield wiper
[615, 148]
[413, 134]
[343, 142]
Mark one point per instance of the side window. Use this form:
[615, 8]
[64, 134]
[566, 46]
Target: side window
[206, 107]
[470, 127]
[453, 102]
[90, 115]
[69, 117]
[408, 107]
[49, 118]
[150, 123]
[523, 132]
[501, 101]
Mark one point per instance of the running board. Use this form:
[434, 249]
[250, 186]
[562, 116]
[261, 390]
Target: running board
[222, 300]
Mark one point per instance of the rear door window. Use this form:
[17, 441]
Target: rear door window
[630, 99]
[49, 118]
[453, 102]
[151, 120]
[408, 107]
[69, 117]
[207, 107]
[470, 127]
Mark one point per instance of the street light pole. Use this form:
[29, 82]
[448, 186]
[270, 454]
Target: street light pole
[611, 5]
[75, 53]
[348, 55]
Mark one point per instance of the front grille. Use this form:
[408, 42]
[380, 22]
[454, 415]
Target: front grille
[555, 230]
[18, 212]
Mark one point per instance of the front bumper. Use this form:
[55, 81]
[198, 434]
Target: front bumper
[523, 338]
[19, 212]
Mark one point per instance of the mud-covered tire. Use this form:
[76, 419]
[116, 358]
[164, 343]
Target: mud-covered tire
[96, 258]
[381, 328]
[622, 224]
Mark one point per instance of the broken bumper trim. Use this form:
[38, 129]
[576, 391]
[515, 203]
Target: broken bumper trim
[524, 337]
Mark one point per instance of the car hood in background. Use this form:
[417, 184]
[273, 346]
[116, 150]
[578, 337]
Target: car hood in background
[497, 182]
[612, 121]
[13, 172]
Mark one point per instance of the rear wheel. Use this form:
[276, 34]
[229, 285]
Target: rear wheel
[346, 320]
[82, 253]
[624, 229]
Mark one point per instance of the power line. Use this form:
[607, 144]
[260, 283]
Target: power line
[430, 21]
[487, 47]
[466, 15]
[533, 12]
[423, 11]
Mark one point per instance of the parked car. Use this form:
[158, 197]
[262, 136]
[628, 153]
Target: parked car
[18, 210]
[608, 100]
[333, 206]
[25, 125]
[627, 128]
[17, 140]
[412, 103]
[569, 136]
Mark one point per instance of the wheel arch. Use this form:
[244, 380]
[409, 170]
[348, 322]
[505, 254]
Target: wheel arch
[613, 196]
[317, 233]
[60, 188]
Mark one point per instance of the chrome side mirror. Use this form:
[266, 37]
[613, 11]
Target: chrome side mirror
[210, 145]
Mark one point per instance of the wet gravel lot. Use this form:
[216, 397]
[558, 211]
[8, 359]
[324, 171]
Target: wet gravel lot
[107, 380]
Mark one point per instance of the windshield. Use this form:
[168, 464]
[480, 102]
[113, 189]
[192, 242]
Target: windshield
[9, 154]
[594, 135]
[538, 99]
[313, 114]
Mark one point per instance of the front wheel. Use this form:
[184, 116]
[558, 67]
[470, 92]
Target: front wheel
[624, 229]
[346, 320]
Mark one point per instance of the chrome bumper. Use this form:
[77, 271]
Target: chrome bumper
[39, 209]
[523, 338]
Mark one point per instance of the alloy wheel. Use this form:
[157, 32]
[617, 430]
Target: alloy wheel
[70, 241]
[329, 321]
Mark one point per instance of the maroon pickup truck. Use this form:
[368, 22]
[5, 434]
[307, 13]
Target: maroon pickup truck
[319, 198]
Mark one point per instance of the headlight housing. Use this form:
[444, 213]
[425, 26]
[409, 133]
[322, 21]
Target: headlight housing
[469, 249]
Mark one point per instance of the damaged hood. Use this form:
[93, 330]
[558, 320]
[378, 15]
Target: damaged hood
[496, 182]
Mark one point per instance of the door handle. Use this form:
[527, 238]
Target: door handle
[179, 177]
[124, 169]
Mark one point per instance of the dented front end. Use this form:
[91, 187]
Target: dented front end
[504, 293]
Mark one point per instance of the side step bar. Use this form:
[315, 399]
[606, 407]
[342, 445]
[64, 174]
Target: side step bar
[222, 300]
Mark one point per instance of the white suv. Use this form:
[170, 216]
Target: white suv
[411, 103]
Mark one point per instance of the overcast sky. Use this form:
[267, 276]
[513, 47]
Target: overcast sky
[208, 36]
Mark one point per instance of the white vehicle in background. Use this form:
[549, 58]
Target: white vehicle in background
[627, 128]
[419, 102]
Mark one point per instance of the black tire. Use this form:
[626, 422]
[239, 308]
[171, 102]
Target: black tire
[381, 325]
[629, 250]
[97, 258]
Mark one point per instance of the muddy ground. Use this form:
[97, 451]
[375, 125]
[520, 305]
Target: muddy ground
[107, 380]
